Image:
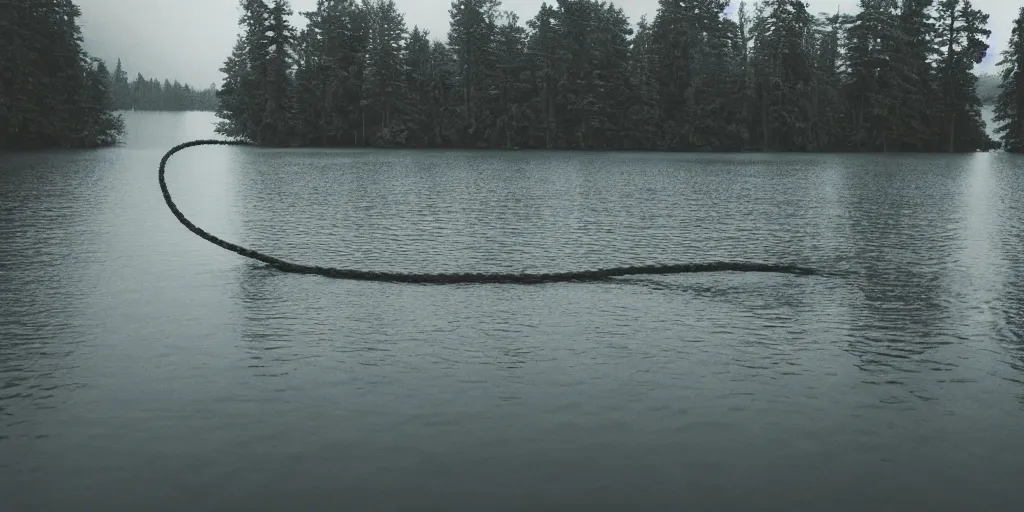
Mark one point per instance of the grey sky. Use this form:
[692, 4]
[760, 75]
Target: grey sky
[189, 39]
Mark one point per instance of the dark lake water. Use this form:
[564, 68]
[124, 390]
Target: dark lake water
[142, 368]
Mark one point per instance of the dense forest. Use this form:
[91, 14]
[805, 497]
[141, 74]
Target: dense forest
[896, 76]
[143, 94]
[52, 93]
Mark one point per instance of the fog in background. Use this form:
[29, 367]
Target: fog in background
[188, 40]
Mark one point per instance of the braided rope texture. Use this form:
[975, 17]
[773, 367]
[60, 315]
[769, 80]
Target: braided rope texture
[467, 278]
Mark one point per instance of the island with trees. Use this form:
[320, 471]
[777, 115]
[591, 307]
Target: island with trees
[896, 76]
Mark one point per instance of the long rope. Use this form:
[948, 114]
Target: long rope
[469, 278]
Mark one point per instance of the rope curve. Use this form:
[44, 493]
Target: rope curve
[468, 278]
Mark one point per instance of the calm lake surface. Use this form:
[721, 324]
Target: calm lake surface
[142, 368]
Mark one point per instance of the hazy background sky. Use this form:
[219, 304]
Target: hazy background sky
[188, 40]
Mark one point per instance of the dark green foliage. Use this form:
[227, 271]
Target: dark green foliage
[513, 83]
[960, 41]
[472, 41]
[385, 103]
[52, 94]
[898, 76]
[1010, 102]
[329, 68]
[783, 71]
[420, 81]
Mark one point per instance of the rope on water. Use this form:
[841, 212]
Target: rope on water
[469, 278]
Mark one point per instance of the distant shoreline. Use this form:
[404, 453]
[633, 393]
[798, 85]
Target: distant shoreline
[160, 110]
[622, 150]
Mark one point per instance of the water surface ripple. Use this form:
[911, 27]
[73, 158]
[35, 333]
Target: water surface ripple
[143, 368]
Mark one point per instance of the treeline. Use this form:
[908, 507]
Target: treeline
[150, 94]
[52, 93]
[897, 76]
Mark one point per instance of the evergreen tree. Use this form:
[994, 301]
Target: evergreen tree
[121, 88]
[233, 95]
[642, 114]
[446, 102]
[897, 76]
[472, 41]
[879, 78]
[95, 102]
[330, 59]
[543, 55]
[309, 124]
[275, 122]
[385, 109]
[827, 113]
[783, 73]
[595, 80]
[917, 116]
[512, 128]
[961, 35]
[1010, 102]
[418, 81]
[52, 93]
[257, 101]
[692, 45]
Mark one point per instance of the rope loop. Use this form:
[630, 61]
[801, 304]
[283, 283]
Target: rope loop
[468, 278]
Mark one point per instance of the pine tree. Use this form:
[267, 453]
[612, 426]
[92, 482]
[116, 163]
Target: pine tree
[827, 119]
[512, 78]
[472, 41]
[95, 102]
[255, 21]
[880, 78]
[642, 111]
[309, 124]
[783, 72]
[543, 56]
[417, 84]
[232, 95]
[52, 93]
[716, 95]
[256, 101]
[447, 118]
[961, 42]
[382, 87]
[331, 62]
[1010, 102]
[674, 33]
[275, 123]
[121, 90]
[895, 77]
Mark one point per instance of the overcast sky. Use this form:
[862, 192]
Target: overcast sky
[188, 40]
